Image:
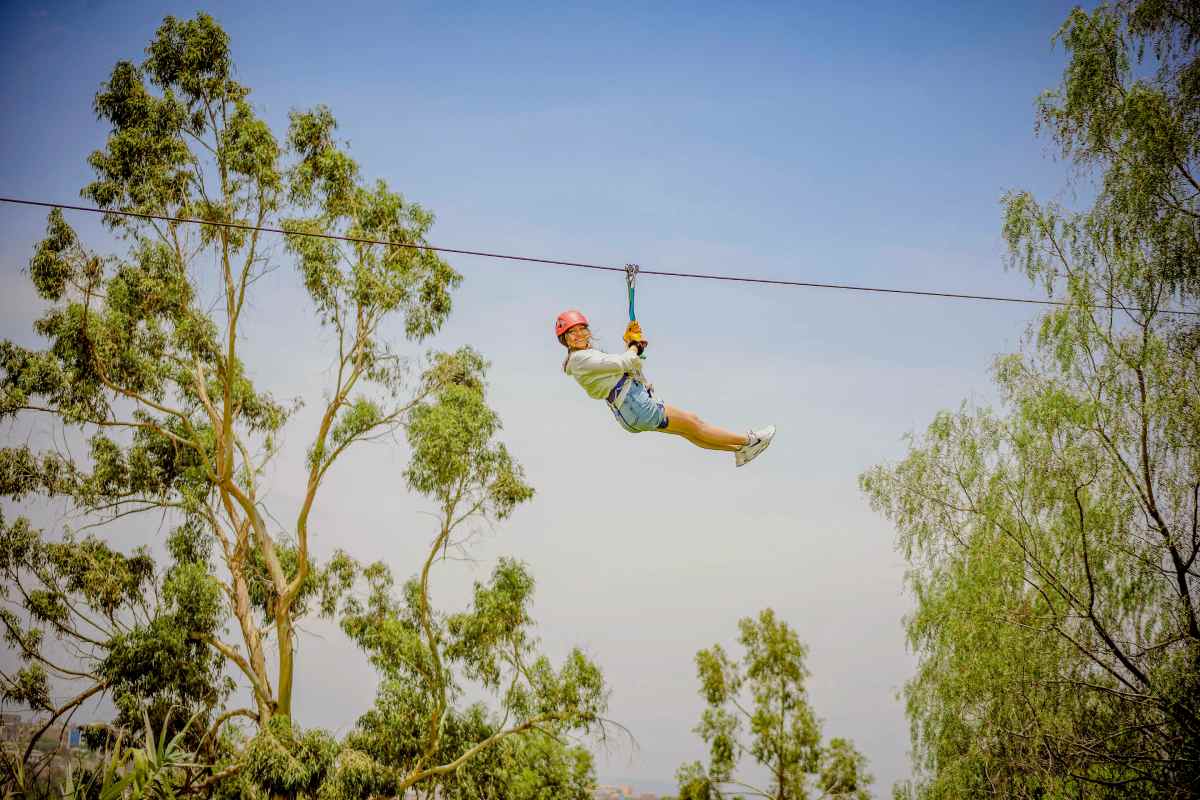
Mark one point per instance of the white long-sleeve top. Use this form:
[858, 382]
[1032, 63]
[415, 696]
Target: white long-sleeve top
[598, 372]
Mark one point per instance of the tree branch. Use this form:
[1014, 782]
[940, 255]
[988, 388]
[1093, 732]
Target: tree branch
[72, 703]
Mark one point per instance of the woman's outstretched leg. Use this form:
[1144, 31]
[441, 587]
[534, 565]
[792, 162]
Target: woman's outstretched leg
[700, 433]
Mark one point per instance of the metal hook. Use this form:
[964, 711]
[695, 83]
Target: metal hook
[631, 271]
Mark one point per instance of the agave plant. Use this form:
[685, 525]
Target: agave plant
[153, 771]
[16, 782]
[158, 767]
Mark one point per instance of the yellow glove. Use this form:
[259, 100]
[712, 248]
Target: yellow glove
[633, 334]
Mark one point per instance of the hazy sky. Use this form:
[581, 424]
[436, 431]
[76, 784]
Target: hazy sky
[860, 143]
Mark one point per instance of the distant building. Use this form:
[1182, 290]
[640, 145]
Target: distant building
[16, 730]
[623, 792]
[10, 725]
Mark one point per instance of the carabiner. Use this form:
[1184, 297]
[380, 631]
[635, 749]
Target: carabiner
[631, 271]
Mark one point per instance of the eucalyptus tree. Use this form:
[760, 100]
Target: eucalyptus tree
[129, 632]
[145, 361]
[539, 766]
[758, 707]
[417, 733]
[1053, 543]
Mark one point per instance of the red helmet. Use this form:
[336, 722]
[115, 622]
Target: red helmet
[567, 320]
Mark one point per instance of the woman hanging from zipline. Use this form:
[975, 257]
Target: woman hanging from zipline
[619, 380]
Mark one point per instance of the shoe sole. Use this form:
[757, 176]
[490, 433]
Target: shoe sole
[758, 452]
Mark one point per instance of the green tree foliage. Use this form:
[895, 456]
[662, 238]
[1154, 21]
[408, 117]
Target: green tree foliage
[415, 734]
[134, 634]
[758, 706]
[1053, 544]
[1129, 107]
[535, 767]
[143, 361]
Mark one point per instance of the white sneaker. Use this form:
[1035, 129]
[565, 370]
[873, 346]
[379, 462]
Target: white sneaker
[759, 440]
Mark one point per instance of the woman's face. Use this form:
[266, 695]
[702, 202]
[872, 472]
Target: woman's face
[579, 337]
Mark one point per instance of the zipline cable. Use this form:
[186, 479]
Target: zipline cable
[582, 265]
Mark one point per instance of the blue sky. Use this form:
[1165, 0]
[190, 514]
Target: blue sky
[859, 143]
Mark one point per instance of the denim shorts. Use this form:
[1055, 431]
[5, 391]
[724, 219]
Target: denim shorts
[639, 410]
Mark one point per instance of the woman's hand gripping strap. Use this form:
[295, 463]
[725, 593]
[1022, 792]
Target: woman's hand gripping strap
[634, 337]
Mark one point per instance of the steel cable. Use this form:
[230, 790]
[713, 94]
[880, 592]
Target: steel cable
[583, 265]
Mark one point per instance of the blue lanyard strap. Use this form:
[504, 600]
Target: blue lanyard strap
[631, 271]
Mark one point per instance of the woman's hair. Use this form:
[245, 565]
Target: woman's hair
[563, 341]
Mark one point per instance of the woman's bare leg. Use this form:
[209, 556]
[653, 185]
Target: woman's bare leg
[700, 433]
